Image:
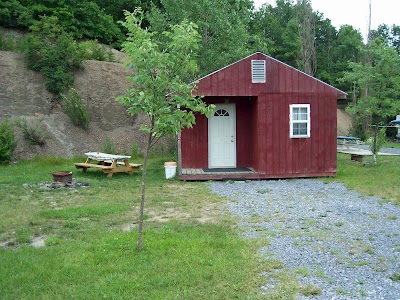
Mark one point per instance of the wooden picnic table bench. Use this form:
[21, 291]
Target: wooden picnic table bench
[108, 163]
[346, 141]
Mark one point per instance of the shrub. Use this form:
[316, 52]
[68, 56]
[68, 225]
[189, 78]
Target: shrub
[93, 50]
[53, 53]
[108, 146]
[76, 109]
[7, 141]
[33, 131]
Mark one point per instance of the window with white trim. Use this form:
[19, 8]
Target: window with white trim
[300, 120]
[258, 71]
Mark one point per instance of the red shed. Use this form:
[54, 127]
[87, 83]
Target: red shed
[272, 121]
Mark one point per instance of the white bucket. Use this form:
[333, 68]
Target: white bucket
[170, 169]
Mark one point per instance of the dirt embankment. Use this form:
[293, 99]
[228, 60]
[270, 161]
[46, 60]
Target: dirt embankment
[23, 94]
[344, 122]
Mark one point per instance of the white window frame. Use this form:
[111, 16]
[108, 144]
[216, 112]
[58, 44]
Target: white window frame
[292, 121]
[258, 66]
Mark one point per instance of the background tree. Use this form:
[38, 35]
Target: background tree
[307, 58]
[388, 35]
[347, 49]
[278, 25]
[382, 80]
[79, 18]
[325, 48]
[161, 69]
[223, 26]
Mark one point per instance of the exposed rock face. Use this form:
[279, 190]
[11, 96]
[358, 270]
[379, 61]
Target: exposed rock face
[23, 94]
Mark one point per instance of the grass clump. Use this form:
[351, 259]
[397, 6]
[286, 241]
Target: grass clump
[33, 130]
[53, 241]
[310, 290]
[76, 109]
[7, 42]
[395, 277]
[23, 235]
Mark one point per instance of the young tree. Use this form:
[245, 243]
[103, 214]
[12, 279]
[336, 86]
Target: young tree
[161, 69]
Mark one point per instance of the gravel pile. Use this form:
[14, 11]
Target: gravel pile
[345, 243]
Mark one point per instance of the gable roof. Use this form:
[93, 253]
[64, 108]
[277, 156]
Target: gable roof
[235, 80]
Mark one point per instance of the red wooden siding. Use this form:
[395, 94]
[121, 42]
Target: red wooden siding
[235, 80]
[194, 141]
[262, 121]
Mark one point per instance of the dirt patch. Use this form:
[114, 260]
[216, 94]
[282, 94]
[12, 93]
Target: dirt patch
[38, 242]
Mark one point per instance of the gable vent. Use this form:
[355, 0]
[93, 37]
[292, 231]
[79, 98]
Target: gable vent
[258, 71]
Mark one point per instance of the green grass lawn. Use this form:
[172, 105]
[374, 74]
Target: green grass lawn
[382, 180]
[389, 144]
[192, 249]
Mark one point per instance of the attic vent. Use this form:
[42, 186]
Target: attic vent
[258, 71]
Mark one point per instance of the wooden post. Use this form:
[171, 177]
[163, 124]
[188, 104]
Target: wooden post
[179, 154]
[374, 146]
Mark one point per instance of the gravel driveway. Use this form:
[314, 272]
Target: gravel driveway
[345, 243]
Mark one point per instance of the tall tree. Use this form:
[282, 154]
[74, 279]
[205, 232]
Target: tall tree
[307, 59]
[223, 26]
[325, 44]
[388, 35]
[347, 49]
[160, 70]
[278, 25]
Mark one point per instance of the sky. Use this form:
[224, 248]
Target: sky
[354, 12]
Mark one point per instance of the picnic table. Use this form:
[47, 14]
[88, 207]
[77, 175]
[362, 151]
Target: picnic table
[346, 141]
[108, 163]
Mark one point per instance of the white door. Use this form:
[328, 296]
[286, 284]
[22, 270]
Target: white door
[222, 137]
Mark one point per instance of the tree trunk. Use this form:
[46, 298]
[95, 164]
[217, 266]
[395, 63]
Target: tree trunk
[143, 193]
[307, 37]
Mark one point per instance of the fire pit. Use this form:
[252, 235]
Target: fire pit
[62, 176]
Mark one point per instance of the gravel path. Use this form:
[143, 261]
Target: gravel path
[343, 242]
